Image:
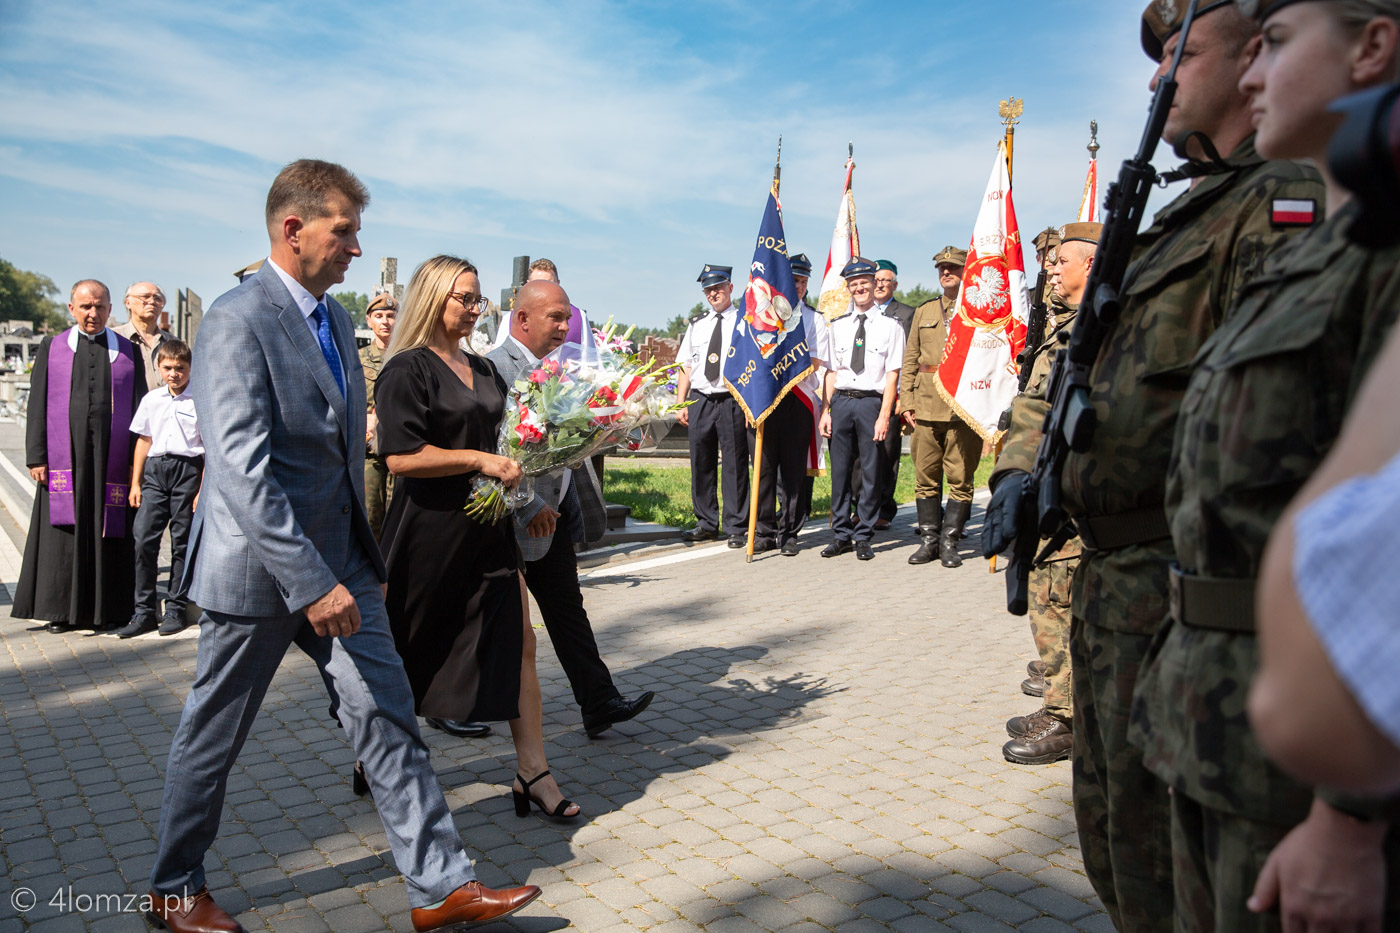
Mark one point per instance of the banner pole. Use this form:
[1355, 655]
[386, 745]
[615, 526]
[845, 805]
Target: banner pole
[753, 492]
[1010, 111]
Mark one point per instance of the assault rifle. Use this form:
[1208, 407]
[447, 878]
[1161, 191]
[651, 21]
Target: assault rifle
[1035, 335]
[1071, 420]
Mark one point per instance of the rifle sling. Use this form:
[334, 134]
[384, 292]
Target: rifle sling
[1110, 532]
[1224, 604]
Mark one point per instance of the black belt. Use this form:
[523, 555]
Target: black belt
[711, 395]
[1225, 604]
[196, 461]
[1110, 532]
[859, 393]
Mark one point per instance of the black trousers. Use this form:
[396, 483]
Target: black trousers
[787, 433]
[853, 438]
[717, 426]
[168, 488]
[890, 475]
[553, 581]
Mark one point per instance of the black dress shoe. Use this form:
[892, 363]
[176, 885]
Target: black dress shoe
[57, 628]
[172, 625]
[700, 534]
[616, 710]
[738, 541]
[838, 546]
[881, 524]
[764, 544]
[789, 548]
[461, 728]
[864, 551]
[137, 627]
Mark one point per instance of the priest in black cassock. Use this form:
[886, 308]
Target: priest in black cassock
[79, 560]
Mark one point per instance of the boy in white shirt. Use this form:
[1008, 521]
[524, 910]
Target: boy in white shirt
[166, 472]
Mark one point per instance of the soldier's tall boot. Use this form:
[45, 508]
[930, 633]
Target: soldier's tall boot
[930, 521]
[954, 517]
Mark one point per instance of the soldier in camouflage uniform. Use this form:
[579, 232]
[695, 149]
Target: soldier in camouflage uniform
[942, 443]
[1186, 272]
[379, 484]
[1264, 404]
[1047, 735]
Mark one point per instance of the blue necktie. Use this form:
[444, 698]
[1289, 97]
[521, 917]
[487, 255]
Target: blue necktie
[323, 336]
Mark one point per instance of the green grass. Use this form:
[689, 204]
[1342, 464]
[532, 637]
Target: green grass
[661, 494]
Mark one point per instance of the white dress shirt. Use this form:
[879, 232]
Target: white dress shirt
[884, 349]
[818, 346]
[695, 347]
[170, 422]
[306, 303]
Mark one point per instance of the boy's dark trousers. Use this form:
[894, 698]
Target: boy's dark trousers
[168, 488]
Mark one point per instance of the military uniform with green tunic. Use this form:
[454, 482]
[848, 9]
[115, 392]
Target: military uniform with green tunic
[379, 485]
[1187, 270]
[1264, 405]
[943, 444]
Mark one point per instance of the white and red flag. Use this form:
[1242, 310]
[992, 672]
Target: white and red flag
[1089, 204]
[977, 375]
[833, 300]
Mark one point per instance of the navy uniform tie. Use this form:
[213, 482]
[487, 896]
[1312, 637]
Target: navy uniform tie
[323, 337]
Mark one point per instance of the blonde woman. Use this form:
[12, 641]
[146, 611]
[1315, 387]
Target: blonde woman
[455, 597]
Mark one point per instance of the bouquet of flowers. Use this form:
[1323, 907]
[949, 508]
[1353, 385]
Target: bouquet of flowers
[576, 403]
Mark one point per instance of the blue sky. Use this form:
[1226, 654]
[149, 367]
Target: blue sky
[631, 142]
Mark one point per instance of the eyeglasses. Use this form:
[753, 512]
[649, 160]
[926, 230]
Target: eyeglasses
[149, 299]
[468, 300]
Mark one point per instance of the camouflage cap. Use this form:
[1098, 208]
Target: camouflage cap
[1083, 232]
[1262, 9]
[1046, 239]
[1163, 18]
[950, 256]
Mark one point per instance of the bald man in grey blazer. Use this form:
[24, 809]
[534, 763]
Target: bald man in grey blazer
[282, 554]
[567, 508]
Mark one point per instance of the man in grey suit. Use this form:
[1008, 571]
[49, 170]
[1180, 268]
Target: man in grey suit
[885, 302]
[567, 508]
[282, 554]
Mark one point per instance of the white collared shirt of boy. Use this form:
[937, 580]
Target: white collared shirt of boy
[695, 346]
[884, 350]
[170, 422]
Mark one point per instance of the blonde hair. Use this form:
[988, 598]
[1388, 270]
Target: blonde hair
[424, 301]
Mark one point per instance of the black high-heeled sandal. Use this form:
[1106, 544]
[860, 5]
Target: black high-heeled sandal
[360, 784]
[523, 800]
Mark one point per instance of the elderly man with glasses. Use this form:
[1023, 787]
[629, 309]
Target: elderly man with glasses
[144, 302]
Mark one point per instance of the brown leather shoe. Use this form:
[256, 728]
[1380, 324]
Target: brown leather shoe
[471, 904]
[1053, 741]
[1018, 726]
[195, 914]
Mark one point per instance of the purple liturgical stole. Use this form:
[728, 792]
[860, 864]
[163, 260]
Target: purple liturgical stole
[575, 326]
[60, 435]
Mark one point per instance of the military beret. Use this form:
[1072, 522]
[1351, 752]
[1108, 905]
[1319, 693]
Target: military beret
[714, 275]
[1046, 239]
[801, 265]
[1262, 9]
[857, 267]
[884, 265]
[1163, 18]
[382, 300]
[950, 256]
[1083, 232]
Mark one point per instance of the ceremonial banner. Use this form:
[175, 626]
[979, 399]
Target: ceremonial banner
[768, 353]
[833, 300]
[1089, 203]
[977, 375]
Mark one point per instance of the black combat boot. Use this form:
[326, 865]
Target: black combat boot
[954, 517]
[930, 518]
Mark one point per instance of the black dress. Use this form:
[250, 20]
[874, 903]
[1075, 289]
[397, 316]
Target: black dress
[74, 574]
[454, 595]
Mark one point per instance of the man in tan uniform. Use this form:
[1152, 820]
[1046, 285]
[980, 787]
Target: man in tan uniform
[943, 442]
[379, 485]
[1047, 735]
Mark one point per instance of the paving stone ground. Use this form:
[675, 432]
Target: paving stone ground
[824, 753]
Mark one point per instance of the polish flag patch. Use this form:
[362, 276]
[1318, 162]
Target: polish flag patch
[1294, 212]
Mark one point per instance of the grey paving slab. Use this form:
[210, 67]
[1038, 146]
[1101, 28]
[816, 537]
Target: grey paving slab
[823, 754]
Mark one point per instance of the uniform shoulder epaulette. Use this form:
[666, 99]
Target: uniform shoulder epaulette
[697, 318]
[839, 317]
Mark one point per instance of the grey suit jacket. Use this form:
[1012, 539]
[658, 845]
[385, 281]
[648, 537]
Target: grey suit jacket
[282, 508]
[581, 508]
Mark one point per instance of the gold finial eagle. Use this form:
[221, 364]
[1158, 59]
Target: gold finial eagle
[1010, 110]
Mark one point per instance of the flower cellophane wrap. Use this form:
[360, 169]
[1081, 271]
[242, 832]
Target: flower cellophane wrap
[576, 403]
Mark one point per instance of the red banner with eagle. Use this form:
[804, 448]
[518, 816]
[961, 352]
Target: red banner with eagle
[977, 376]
